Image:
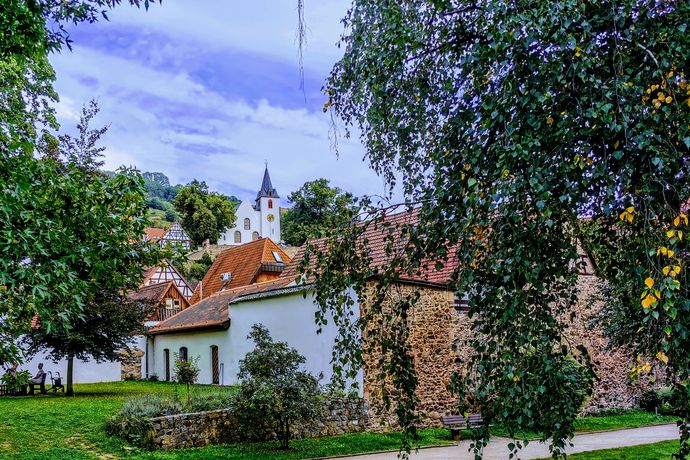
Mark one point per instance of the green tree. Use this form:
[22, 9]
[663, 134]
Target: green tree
[504, 122]
[317, 208]
[204, 214]
[186, 371]
[31, 228]
[274, 394]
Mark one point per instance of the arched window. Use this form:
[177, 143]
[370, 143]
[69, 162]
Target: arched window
[255, 236]
[238, 236]
[270, 204]
[182, 356]
[247, 223]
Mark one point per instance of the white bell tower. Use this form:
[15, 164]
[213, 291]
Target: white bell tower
[268, 205]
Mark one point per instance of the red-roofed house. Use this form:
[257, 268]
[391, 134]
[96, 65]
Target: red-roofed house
[255, 262]
[215, 330]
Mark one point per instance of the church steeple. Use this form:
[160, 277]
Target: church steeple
[267, 190]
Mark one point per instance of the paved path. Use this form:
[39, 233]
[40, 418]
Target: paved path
[497, 449]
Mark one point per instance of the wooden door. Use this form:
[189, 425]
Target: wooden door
[214, 365]
[166, 357]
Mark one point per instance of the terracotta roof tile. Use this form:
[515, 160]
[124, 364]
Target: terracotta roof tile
[243, 262]
[154, 233]
[152, 292]
[376, 235]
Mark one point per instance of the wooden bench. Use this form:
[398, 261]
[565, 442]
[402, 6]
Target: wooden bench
[457, 423]
[41, 385]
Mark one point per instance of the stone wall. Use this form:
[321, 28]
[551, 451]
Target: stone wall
[434, 324]
[219, 426]
[130, 363]
[611, 365]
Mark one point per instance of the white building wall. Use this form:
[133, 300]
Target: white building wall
[84, 371]
[244, 211]
[289, 319]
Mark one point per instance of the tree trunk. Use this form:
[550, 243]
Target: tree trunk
[70, 369]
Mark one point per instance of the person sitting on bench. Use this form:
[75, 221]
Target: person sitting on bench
[39, 379]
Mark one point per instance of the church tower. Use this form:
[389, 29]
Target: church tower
[268, 206]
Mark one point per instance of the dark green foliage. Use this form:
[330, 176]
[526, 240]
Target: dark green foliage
[504, 122]
[16, 381]
[316, 209]
[274, 394]
[202, 213]
[33, 188]
[197, 270]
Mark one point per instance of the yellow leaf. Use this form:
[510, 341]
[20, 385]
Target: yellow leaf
[666, 270]
[670, 233]
[676, 221]
[648, 301]
[615, 146]
[669, 99]
[649, 282]
[549, 121]
[670, 254]
[680, 235]
[630, 209]
[684, 217]
[622, 216]
[662, 250]
[629, 217]
[661, 356]
[675, 271]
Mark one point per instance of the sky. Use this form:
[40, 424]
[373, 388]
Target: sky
[210, 90]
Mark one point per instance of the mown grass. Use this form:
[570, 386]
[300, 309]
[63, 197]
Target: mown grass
[656, 451]
[61, 428]
[626, 419]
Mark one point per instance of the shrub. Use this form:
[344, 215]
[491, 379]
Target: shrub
[186, 372]
[657, 400]
[16, 383]
[133, 422]
[274, 394]
[210, 402]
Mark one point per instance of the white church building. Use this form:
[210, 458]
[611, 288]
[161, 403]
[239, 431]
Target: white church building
[258, 220]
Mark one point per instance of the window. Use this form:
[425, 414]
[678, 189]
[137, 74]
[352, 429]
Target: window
[182, 356]
[238, 236]
[461, 303]
[176, 303]
[277, 257]
[169, 303]
[247, 223]
[255, 236]
[270, 204]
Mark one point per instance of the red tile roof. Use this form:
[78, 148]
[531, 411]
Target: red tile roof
[376, 236]
[212, 311]
[244, 263]
[154, 233]
[152, 292]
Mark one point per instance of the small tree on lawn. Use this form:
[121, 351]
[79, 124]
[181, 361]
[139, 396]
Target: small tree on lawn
[186, 372]
[274, 394]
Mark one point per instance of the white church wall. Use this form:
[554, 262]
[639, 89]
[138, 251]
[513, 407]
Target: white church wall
[289, 318]
[244, 211]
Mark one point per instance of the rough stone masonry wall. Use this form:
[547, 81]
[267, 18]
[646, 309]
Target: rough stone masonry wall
[219, 426]
[434, 324]
[130, 363]
[611, 365]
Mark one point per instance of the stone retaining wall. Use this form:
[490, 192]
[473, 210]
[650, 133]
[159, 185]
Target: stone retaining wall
[219, 426]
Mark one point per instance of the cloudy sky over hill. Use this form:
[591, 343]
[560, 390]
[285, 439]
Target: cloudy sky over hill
[210, 89]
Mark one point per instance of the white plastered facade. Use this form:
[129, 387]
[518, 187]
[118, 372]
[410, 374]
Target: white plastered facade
[289, 318]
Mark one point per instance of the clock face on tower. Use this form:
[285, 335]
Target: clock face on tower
[270, 218]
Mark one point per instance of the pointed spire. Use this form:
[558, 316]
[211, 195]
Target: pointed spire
[267, 189]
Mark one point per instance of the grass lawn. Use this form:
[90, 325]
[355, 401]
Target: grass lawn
[61, 428]
[657, 451]
[628, 419]
[57, 427]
